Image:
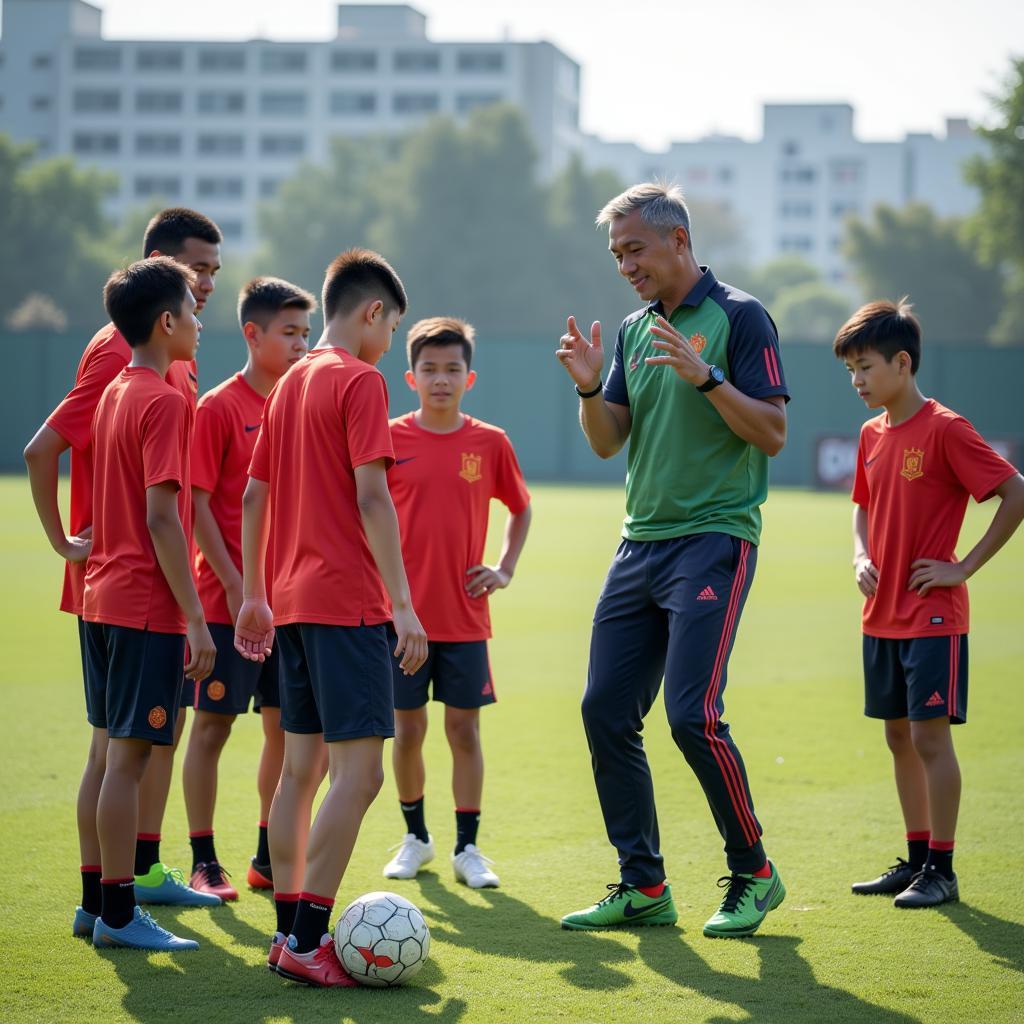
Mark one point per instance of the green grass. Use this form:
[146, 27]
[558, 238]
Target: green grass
[819, 773]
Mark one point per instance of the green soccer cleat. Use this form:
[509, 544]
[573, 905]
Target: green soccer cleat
[624, 906]
[747, 902]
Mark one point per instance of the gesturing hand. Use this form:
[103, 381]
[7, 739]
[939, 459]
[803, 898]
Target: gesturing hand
[678, 353]
[582, 359]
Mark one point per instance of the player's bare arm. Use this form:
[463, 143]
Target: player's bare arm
[211, 543]
[863, 568]
[42, 457]
[380, 522]
[926, 573]
[758, 421]
[605, 424]
[254, 627]
[171, 549]
[483, 580]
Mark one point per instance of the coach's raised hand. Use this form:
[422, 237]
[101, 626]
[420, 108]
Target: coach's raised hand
[583, 359]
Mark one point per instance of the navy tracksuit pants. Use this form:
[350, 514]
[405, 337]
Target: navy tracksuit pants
[668, 609]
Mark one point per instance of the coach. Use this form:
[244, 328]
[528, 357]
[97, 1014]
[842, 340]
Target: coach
[697, 390]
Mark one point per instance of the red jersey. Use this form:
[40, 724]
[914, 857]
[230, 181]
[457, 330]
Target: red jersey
[327, 416]
[914, 479]
[141, 437]
[442, 485]
[103, 359]
[227, 425]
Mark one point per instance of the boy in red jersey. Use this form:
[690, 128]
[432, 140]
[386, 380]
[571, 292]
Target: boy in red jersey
[140, 604]
[917, 465]
[447, 468]
[274, 317]
[318, 492]
[194, 241]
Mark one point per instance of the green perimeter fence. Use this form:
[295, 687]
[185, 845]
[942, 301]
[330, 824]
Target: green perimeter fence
[523, 389]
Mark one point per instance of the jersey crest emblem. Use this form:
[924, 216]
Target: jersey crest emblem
[470, 471]
[913, 463]
[698, 341]
[215, 689]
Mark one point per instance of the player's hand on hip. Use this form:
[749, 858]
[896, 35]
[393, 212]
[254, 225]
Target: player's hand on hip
[581, 358]
[926, 573]
[202, 652]
[866, 575]
[483, 580]
[677, 352]
[254, 630]
[412, 640]
[77, 549]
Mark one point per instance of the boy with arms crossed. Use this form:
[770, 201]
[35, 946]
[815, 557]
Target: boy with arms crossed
[447, 468]
[274, 317]
[140, 604]
[917, 465]
[318, 497]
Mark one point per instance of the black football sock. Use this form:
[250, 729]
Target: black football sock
[467, 821]
[415, 821]
[312, 921]
[118, 901]
[940, 858]
[147, 851]
[203, 851]
[262, 846]
[92, 896]
[285, 904]
[917, 849]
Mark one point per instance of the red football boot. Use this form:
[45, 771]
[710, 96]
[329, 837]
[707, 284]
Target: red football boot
[320, 967]
[213, 878]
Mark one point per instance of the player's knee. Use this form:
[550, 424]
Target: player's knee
[211, 731]
[409, 735]
[897, 736]
[931, 744]
[599, 719]
[463, 734]
[688, 727]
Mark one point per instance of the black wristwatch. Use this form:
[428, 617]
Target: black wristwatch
[716, 376]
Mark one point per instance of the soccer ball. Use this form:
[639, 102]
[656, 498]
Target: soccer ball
[382, 939]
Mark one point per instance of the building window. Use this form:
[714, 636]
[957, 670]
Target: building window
[287, 61]
[158, 101]
[289, 103]
[485, 61]
[96, 143]
[724, 175]
[97, 58]
[798, 175]
[96, 101]
[42, 61]
[220, 145]
[797, 209]
[157, 144]
[220, 188]
[353, 103]
[222, 60]
[231, 229]
[153, 59]
[158, 185]
[41, 103]
[417, 60]
[282, 145]
[351, 61]
[846, 172]
[844, 208]
[796, 243]
[416, 102]
[219, 102]
[467, 101]
[269, 187]
[791, 148]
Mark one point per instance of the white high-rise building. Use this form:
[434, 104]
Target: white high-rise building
[219, 125]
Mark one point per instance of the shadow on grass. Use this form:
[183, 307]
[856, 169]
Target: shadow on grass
[1004, 940]
[786, 990]
[507, 927]
[218, 985]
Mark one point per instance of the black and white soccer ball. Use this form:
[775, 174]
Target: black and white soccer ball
[382, 939]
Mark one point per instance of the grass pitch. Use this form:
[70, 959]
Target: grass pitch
[818, 770]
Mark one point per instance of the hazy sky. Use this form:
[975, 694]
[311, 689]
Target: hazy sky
[657, 70]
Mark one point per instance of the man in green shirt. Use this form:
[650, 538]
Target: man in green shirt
[696, 389]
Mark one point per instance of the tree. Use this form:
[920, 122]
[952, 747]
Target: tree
[810, 311]
[913, 252]
[768, 281]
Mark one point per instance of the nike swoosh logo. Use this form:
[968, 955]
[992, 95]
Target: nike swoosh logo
[762, 905]
[249, 429]
[630, 911]
[401, 462]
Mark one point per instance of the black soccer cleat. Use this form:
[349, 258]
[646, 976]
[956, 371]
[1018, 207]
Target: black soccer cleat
[889, 883]
[928, 889]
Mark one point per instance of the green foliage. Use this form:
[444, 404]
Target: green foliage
[771, 279]
[913, 252]
[811, 311]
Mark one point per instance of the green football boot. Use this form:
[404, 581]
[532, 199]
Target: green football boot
[624, 906]
[747, 902]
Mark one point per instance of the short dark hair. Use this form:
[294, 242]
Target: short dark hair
[358, 275]
[436, 331]
[139, 295]
[262, 298]
[884, 327]
[168, 231]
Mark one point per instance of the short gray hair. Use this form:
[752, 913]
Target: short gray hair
[661, 206]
